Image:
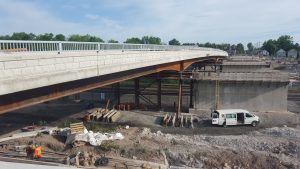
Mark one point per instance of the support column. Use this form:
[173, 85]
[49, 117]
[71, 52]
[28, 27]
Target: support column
[179, 96]
[137, 92]
[117, 93]
[159, 93]
[191, 93]
[77, 96]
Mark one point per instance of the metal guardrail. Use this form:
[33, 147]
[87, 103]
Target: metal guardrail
[60, 46]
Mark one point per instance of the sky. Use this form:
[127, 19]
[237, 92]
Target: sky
[217, 21]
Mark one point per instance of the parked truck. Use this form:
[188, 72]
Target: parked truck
[231, 117]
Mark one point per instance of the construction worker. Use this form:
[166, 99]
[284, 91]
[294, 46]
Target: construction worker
[37, 151]
[30, 151]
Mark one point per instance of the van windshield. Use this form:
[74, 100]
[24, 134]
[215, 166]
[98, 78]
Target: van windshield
[248, 115]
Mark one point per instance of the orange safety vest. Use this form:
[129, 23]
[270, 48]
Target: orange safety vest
[38, 152]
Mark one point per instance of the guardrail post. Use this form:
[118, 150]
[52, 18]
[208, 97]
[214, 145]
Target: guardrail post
[98, 48]
[59, 48]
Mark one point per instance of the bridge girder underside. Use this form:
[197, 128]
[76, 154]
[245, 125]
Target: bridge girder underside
[14, 101]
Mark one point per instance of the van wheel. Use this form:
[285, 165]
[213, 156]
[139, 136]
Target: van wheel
[224, 124]
[254, 123]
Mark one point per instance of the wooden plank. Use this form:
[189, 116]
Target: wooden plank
[109, 115]
[107, 104]
[174, 120]
[77, 127]
[99, 117]
[181, 121]
[115, 117]
[192, 124]
[168, 119]
[106, 114]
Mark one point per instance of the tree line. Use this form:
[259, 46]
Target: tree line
[284, 42]
[51, 37]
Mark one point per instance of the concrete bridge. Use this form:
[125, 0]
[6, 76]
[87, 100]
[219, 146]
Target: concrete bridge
[32, 72]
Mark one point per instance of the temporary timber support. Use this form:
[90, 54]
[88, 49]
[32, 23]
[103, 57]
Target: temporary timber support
[179, 98]
[191, 93]
[180, 90]
[117, 93]
[137, 91]
[159, 93]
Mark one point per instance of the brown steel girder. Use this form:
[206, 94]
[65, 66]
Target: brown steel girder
[30, 97]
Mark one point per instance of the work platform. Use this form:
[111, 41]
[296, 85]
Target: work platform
[273, 76]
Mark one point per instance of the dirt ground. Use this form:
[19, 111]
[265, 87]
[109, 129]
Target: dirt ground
[276, 147]
[274, 143]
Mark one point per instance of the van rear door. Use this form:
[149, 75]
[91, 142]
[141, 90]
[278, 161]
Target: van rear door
[231, 119]
[215, 118]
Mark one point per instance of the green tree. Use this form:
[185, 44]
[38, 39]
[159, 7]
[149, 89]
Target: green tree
[224, 46]
[151, 40]
[45, 37]
[59, 37]
[134, 40]
[285, 42]
[270, 46]
[240, 48]
[250, 47]
[112, 41]
[174, 42]
[5, 37]
[84, 38]
[94, 39]
[297, 47]
[207, 45]
[22, 36]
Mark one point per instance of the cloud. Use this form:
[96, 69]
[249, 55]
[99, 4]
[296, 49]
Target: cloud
[92, 16]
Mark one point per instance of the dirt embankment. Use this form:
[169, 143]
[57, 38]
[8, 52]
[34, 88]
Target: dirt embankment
[269, 148]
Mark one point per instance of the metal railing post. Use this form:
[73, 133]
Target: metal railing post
[98, 48]
[59, 48]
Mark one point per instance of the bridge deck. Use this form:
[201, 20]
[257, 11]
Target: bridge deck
[50, 70]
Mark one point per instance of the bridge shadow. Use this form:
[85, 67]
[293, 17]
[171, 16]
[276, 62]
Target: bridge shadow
[45, 112]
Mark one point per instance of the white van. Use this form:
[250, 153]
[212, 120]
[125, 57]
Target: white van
[228, 117]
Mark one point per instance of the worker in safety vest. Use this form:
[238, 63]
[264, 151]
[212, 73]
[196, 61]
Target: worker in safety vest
[38, 151]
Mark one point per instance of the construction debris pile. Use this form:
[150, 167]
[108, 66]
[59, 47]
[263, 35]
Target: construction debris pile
[76, 135]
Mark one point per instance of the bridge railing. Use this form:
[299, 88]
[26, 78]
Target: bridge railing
[60, 46]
